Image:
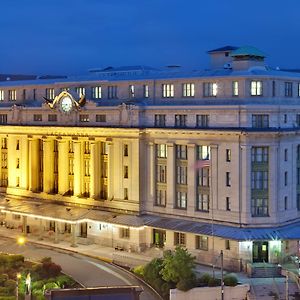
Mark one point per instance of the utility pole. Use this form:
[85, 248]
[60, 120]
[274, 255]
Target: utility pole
[222, 276]
[287, 285]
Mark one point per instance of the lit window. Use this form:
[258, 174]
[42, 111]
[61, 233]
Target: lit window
[210, 89]
[161, 150]
[146, 91]
[181, 175]
[181, 152]
[235, 88]
[259, 207]
[12, 95]
[203, 152]
[201, 242]
[96, 92]
[168, 90]
[256, 88]
[1, 95]
[179, 239]
[50, 93]
[181, 200]
[80, 91]
[84, 118]
[202, 202]
[288, 89]
[188, 90]
[131, 91]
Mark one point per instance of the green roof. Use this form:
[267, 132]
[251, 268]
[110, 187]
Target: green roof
[247, 51]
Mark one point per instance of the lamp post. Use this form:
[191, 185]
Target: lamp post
[21, 240]
[18, 277]
[222, 276]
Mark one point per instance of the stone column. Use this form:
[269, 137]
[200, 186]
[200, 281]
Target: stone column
[151, 180]
[95, 171]
[191, 178]
[63, 166]
[56, 239]
[73, 232]
[33, 165]
[274, 195]
[48, 161]
[170, 176]
[110, 178]
[77, 168]
[11, 161]
[23, 165]
[41, 230]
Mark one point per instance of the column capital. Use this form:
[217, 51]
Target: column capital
[190, 145]
[214, 146]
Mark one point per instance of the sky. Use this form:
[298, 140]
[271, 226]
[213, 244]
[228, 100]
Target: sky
[73, 36]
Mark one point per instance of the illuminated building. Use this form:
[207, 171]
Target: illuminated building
[136, 157]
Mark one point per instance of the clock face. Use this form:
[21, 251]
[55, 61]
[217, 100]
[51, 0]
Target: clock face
[66, 104]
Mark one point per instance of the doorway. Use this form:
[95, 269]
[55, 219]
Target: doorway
[159, 238]
[83, 230]
[260, 252]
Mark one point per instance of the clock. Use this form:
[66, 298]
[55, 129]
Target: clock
[66, 104]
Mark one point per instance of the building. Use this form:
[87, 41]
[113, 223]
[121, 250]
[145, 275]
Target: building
[135, 158]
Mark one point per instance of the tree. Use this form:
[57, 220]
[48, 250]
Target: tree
[178, 267]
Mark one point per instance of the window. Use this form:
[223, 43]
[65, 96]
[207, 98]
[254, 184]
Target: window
[298, 202]
[201, 242]
[161, 196]
[285, 178]
[181, 152]
[50, 94]
[12, 95]
[125, 193]
[298, 120]
[34, 94]
[4, 143]
[161, 173]
[1, 95]
[161, 150]
[202, 121]
[228, 179]
[18, 163]
[52, 118]
[180, 120]
[125, 149]
[228, 155]
[87, 147]
[131, 91]
[181, 175]
[168, 90]
[203, 177]
[203, 152]
[146, 91]
[259, 207]
[188, 90]
[259, 180]
[202, 202]
[181, 200]
[298, 89]
[3, 119]
[285, 202]
[285, 118]
[227, 244]
[86, 167]
[17, 144]
[288, 89]
[96, 92]
[285, 154]
[84, 118]
[273, 88]
[124, 233]
[260, 121]
[259, 154]
[210, 89]
[71, 166]
[37, 118]
[101, 118]
[160, 120]
[80, 91]
[228, 204]
[112, 92]
[256, 88]
[125, 171]
[179, 239]
[235, 88]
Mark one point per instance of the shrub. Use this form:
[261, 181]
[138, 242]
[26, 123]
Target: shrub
[139, 270]
[4, 291]
[186, 284]
[3, 278]
[64, 281]
[230, 280]
[214, 282]
[204, 279]
[10, 285]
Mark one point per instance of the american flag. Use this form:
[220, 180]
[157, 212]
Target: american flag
[202, 164]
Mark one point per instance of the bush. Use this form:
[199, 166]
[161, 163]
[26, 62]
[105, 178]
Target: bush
[186, 284]
[230, 280]
[10, 285]
[139, 270]
[48, 268]
[204, 279]
[3, 278]
[64, 281]
[214, 282]
[4, 291]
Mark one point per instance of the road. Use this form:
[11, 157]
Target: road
[87, 271]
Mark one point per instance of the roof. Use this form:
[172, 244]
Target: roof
[247, 51]
[74, 214]
[223, 49]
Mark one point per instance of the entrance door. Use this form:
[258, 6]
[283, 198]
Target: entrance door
[83, 230]
[159, 238]
[260, 252]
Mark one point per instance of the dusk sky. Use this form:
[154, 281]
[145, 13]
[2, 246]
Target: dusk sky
[72, 36]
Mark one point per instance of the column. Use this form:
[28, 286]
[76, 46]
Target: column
[63, 166]
[33, 165]
[24, 225]
[77, 168]
[274, 196]
[214, 179]
[110, 177]
[151, 180]
[41, 230]
[48, 161]
[95, 171]
[56, 240]
[245, 179]
[23, 165]
[11, 160]
[170, 176]
[73, 231]
[191, 178]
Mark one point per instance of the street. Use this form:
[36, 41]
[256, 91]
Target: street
[87, 271]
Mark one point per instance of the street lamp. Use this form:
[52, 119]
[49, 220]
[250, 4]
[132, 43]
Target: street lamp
[21, 240]
[17, 285]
